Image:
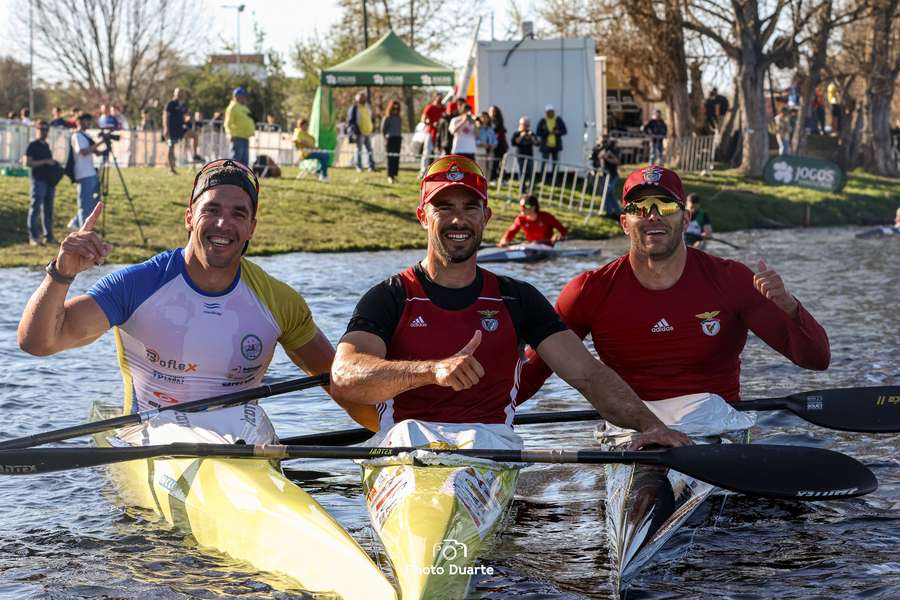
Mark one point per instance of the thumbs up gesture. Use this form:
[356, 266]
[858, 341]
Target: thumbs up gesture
[461, 371]
[768, 283]
[82, 249]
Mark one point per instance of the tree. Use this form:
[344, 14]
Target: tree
[114, 50]
[744, 34]
[14, 91]
[883, 58]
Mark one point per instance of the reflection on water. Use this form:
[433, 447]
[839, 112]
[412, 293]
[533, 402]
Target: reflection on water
[63, 536]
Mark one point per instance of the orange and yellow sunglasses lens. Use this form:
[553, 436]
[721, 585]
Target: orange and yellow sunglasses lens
[464, 164]
[664, 206]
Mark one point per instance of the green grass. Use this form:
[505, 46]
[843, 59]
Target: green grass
[362, 212]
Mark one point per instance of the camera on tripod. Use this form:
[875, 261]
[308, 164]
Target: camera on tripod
[107, 137]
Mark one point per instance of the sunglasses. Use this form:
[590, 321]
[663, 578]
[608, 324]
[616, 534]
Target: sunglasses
[664, 206]
[462, 163]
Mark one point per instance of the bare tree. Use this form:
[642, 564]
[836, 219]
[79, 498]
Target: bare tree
[114, 50]
[881, 78]
[744, 33]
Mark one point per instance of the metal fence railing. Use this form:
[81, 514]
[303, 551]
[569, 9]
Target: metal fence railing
[695, 153]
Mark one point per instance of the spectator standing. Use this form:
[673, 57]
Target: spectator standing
[710, 108]
[392, 130]
[217, 121]
[783, 130]
[657, 130]
[819, 110]
[306, 146]
[464, 131]
[793, 95]
[607, 155]
[431, 116]
[105, 120]
[43, 185]
[175, 117]
[524, 140]
[25, 117]
[502, 146]
[550, 131]
[360, 128]
[485, 142]
[83, 150]
[721, 107]
[239, 126]
[834, 102]
[58, 119]
[73, 119]
[118, 119]
[147, 123]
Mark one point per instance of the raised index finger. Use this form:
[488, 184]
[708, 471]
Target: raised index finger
[92, 218]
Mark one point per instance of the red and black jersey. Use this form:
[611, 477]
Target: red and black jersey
[420, 320]
[685, 339]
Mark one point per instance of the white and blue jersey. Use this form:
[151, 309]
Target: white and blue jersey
[177, 343]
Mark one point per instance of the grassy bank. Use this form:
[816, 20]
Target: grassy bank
[362, 212]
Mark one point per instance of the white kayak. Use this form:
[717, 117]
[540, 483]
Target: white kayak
[528, 253]
[646, 505]
[878, 232]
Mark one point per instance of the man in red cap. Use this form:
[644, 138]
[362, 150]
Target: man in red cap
[672, 320]
[192, 322]
[441, 342]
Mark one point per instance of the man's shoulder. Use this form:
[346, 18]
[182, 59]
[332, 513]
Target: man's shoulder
[265, 285]
[718, 267]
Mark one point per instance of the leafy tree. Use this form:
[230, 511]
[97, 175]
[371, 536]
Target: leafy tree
[14, 91]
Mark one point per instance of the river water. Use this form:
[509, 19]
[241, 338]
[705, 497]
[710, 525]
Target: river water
[64, 536]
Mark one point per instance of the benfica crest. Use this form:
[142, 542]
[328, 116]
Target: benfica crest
[652, 174]
[488, 322]
[709, 324]
[454, 174]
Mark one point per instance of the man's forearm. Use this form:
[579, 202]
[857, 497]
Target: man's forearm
[367, 379]
[615, 400]
[43, 317]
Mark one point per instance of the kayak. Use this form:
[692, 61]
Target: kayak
[878, 232]
[646, 505]
[530, 253]
[436, 514]
[247, 509]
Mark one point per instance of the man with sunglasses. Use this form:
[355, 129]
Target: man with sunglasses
[441, 342]
[192, 322]
[539, 226]
[672, 320]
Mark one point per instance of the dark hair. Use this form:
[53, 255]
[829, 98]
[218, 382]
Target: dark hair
[498, 118]
[693, 198]
[392, 105]
[530, 201]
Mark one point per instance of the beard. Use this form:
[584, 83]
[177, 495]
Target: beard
[659, 252]
[450, 255]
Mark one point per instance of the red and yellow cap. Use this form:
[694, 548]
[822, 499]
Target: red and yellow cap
[654, 176]
[452, 171]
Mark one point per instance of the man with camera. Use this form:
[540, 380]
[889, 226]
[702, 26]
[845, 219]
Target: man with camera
[45, 174]
[606, 155]
[85, 175]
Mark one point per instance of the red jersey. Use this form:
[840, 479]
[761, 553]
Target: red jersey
[685, 339]
[432, 114]
[539, 230]
[426, 331]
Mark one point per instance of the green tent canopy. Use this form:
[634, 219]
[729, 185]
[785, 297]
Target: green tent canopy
[389, 61]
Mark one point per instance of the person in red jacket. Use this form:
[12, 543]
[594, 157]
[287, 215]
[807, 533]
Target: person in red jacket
[673, 320]
[540, 227]
[440, 342]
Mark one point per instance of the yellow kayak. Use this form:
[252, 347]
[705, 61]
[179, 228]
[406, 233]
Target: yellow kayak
[249, 510]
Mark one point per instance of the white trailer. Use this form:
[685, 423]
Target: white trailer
[522, 77]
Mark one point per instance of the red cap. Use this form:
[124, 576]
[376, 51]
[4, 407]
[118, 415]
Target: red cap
[654, 176]
[453, 171]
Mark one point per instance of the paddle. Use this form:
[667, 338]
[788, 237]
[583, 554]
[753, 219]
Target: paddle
[231, 399]
[792, 472]
[865, 409]
[721, 241]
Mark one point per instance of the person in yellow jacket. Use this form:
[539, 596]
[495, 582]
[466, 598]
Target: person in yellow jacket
[239, 126]
[359, 128]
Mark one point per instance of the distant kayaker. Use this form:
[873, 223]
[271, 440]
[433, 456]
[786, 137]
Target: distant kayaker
[699, 225]
[672, 320]
[189, 323]
[539, 226]
[897, 218]
[441, 341]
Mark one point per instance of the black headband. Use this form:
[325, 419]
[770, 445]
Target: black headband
[226, 176]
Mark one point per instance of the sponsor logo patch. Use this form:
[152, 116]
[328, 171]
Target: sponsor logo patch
[251, 347]
[709, 324]
[171, 364]
[661, 326]
[652, 174]
[454, 174]
[418, 322]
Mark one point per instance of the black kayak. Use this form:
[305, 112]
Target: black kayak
[530, 253]
[879, 231]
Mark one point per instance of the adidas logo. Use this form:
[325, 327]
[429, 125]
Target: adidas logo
[418, 322]
[662, 326]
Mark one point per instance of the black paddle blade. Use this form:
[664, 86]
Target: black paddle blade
[774, 471]
[31, 461]
[865, 409]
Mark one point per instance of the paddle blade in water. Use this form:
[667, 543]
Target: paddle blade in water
[773, 471]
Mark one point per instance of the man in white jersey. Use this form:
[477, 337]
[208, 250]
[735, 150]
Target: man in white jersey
[189, 323]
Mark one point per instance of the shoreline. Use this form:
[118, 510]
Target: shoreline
[361, 212]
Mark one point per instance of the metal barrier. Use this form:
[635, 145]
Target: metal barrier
[696, 153]
[574, 187]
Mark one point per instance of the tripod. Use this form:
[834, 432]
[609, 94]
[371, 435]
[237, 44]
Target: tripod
[104, 186]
